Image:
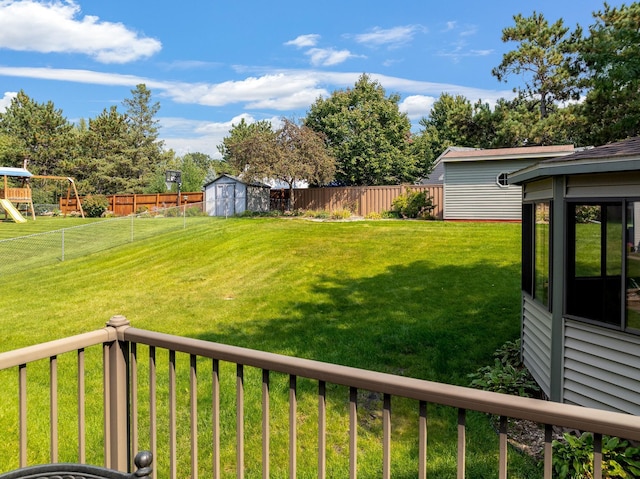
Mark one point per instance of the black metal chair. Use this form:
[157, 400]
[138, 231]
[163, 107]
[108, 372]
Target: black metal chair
[142, 461]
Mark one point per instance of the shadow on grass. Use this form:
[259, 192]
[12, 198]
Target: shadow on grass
[431, 322]
[437, 323]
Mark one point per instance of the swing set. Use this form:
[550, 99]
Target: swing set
[18, 192]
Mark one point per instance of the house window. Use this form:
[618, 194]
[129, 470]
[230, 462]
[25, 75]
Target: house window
[595, 253]
[502, 180]
[536, 259]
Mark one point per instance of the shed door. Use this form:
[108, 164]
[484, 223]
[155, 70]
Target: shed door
[225, 199]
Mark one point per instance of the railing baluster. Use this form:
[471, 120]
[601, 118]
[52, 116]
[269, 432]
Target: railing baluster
[106, 373]
[353, 432]
[133, 360]
[173, 449]
[502, 468]
[293, 414]
[462, 442]
[215, 416]
[22, 412]
[193, 399]
[322, 429]
[597, 456]
[153, 411]
[548, 451]
[266, 434]
[386, 436]
[82, 434]
[240, 420]
[422, 441]
[53, 408]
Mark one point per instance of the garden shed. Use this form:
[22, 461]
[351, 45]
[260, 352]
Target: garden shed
[475, 180]
[581, 275]
[228, 195]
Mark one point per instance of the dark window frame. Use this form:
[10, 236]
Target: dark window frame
[609, 303]
[529, 251]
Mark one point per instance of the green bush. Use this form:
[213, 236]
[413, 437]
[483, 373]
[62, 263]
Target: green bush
[573, 457]
[507, 374]
[413, 204]
[95, 206]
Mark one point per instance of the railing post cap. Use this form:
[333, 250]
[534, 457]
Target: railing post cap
[118, 321]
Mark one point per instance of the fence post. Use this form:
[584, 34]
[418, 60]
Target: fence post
[116, 411]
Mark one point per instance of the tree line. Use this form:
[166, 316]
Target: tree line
[579, 86]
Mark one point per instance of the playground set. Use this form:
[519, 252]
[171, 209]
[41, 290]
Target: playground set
[12, 196]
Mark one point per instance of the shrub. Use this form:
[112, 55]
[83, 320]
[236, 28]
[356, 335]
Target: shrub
[341, 214]
[374, 215]
[412, 204]
[507, 374]
[320, 214]
[573, 457]
[95, 206]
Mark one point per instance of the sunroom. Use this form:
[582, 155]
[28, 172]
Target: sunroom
[581, 276]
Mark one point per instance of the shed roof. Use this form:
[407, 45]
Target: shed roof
[10, 171]
[613, 157]
[239, 180]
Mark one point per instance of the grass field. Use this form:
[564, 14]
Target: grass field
[430, 300]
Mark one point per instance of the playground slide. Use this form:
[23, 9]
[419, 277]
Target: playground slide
[11, 210]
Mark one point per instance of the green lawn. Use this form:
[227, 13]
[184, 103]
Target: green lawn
[430, 300]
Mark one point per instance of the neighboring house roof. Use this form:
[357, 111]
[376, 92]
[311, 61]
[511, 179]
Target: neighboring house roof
[10, 171]
[239, 180]
[452, 154]
[613, 157]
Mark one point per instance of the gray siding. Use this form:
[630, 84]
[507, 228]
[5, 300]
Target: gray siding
[538, 190]
[471, 191]
[601, 368]
[536, 342]
[604, 185]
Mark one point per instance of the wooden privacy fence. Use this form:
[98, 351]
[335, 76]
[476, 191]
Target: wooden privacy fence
[362, 200]
[123, 205]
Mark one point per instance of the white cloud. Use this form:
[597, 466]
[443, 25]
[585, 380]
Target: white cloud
[284, 90]
[5, 101]
[417, 106]
[189, 136]
[57, 27]
[279, 91]
[328, 56]
[304, 41]
[393, 37]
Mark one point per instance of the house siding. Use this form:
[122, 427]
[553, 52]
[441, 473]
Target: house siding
[536, 342]
[601, 368]
[603, 185]
[471, 191]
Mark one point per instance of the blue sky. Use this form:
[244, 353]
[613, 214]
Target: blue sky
[211, 63]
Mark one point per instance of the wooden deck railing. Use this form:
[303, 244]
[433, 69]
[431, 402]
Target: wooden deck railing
[125, 408]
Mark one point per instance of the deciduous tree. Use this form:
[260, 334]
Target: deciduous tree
[367, 134]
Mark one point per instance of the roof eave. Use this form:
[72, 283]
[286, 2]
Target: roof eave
[596, 165]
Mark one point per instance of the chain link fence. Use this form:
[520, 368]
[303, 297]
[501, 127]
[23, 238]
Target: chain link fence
[24, 252]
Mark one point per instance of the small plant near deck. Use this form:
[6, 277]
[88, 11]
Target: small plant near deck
[507, 374]
[573, 457]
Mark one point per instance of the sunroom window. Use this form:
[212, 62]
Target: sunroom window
[542, 263]
[595, 262]
[536, 237]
